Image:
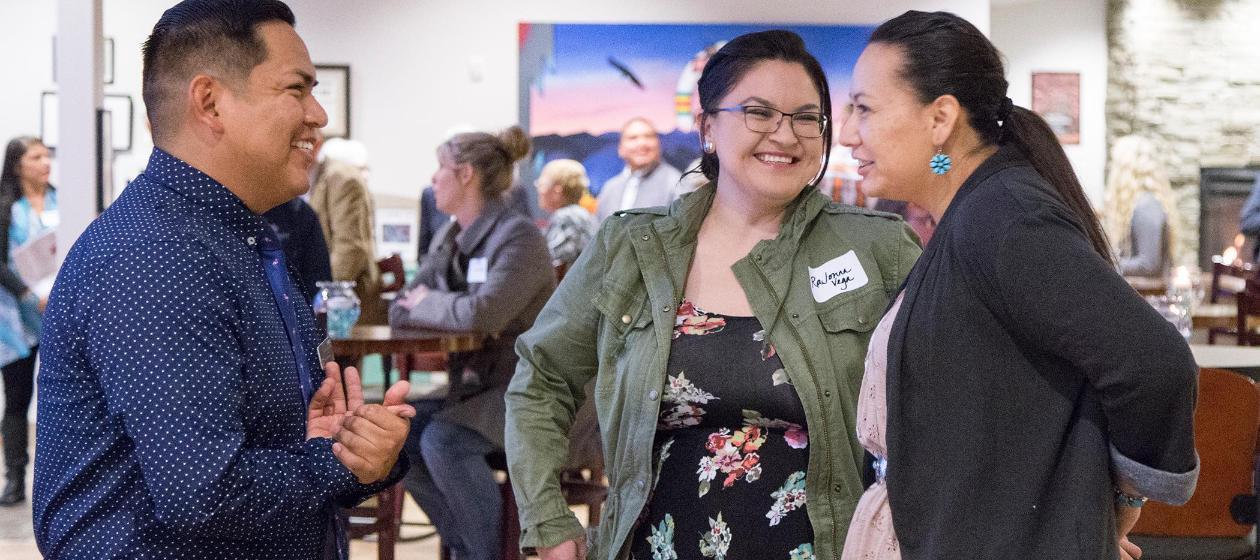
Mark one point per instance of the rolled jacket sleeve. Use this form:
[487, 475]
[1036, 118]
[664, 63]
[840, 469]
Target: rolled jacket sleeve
[1060, 293]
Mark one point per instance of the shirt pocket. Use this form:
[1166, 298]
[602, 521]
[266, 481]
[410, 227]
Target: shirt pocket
[625, 337]
[859, 311]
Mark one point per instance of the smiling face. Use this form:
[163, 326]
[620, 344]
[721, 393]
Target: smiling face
[272, 121]
[774, 165]
[888, 129]
[640, 146]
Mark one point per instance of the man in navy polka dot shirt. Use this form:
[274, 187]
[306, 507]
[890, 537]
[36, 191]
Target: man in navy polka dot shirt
[183, 410]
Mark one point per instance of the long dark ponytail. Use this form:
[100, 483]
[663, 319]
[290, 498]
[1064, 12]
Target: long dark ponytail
[946, 55]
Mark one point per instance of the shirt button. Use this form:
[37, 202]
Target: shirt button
[827, 394]
[665, 308]
[839, 489]
[646, 237]
[652, 394]
[625, 319]
[640, 483]
[796, 315]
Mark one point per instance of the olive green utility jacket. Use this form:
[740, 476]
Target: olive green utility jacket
[612, 319]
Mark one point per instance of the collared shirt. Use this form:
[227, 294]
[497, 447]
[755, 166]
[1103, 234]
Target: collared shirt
[171, 418]
[655, 186]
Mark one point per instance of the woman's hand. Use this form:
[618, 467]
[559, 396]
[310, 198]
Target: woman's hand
[567, 550]
[413, 297]
[1126, 518]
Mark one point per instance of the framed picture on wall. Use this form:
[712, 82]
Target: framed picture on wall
[333, 92]
[1056, 96]
[120, 106]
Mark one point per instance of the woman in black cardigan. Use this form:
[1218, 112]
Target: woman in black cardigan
[1033, 398]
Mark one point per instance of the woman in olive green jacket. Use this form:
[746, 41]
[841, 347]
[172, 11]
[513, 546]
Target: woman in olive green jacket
[758, 243]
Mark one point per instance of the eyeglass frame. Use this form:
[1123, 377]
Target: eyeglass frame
[823, 120]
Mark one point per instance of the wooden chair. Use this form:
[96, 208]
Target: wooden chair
[380, 516]
[393, 276]
[1225, 431]
[1225, 284]
[1248, 302]
[1221, 272]
[581, 480]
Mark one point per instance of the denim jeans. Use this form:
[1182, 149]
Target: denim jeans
[452, 483]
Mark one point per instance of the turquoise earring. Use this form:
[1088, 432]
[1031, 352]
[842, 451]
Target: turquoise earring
[941, 162]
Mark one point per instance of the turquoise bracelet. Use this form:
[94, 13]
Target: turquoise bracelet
[1126, 500]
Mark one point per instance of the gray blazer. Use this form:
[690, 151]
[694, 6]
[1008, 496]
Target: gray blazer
[658, 187]
[518, 280]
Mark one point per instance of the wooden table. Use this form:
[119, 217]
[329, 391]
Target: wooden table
[381, 339]
[1209, 315]
[1147, 286]
[1243, 359]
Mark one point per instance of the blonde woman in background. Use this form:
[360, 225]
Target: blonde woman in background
[561, 186]
[1141, 211]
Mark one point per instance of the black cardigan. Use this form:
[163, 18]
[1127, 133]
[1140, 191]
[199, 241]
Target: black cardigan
[1019, 361]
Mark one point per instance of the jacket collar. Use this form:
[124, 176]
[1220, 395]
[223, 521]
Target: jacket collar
[1006, 157]
[472, 237]
[682, 224]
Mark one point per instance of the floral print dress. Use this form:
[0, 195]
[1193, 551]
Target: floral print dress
[730, 452]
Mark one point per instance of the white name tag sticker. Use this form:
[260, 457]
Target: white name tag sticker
[478, 268]
[837, 276]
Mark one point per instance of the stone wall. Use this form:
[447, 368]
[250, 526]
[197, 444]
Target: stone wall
[1187, 74]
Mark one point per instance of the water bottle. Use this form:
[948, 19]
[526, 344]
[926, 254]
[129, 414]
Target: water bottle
[336, 307]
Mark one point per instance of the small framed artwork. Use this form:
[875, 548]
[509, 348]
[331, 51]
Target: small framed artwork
[333, 92]
[1056, 96]
[119, 106]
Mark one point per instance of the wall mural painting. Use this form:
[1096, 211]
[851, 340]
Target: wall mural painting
[579, 83]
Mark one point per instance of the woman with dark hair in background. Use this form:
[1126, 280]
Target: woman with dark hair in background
[28, 207]
[487, 272]
[1022, 399]
[725, 337]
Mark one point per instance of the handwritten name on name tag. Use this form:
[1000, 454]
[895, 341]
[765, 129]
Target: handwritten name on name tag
[837, 276]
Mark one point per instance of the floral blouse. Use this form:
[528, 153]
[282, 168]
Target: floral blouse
[730, 452]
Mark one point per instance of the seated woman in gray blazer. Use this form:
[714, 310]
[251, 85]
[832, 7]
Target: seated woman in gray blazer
[487, 271]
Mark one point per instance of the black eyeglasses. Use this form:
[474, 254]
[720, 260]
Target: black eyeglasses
[766, 120]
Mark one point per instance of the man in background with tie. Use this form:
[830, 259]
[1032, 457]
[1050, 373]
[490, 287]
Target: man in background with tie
[646, 180]
[184, 409]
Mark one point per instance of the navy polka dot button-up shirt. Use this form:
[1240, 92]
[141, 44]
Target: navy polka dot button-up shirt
[172, 423]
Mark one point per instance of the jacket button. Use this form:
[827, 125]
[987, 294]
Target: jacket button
[625, 319]
[796, 315]
[652, 394]
[839, 489]
[665, 308]
[827, 394]
[646, 237]
[640, 483]
[861, 320]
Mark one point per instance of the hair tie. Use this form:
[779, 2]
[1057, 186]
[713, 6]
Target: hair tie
[1004, 110]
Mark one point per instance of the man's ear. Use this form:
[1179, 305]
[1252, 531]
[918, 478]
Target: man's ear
[205, 99]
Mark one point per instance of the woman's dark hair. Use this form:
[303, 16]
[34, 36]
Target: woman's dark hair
[11, 177]
[729, 65]
[491, 155]
[947, 55]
